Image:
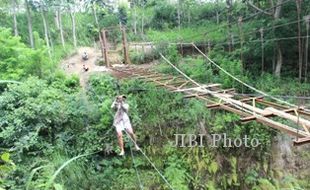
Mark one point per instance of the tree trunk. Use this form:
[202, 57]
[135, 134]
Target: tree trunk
[279, 61]
[306, 47]
[189, 17]
[229, 19]
[46, 32]
[217, 13]
[14, 18]
[179, 15]
[31, 41]
[142, 23]
[57, 20]
[61, 29]
[298, 6]
[98, 27]
[72, 15]
[135, 20]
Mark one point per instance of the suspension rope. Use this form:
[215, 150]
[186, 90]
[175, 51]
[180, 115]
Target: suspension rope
[245, 84]
[136, 169]
[227, 100]
[152, 164]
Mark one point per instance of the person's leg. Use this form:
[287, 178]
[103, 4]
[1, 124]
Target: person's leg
[120, 142]
[133, 136]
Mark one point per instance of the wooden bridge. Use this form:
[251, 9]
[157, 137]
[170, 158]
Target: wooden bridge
[249, 108]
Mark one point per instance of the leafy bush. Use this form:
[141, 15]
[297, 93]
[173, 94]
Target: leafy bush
[18, 61]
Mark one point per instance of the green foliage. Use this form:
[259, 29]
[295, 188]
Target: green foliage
[6, 168]
[35, 111]
[164, 16]
[140, 58]
[17, 60]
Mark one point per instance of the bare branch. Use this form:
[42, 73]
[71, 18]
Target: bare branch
[258, 9]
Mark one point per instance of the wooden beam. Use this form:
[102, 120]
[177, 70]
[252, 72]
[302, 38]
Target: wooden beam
[250, 118]
[226, 90]
[298, 120]
[233, 110]
[149, 76]
[172, 83]
[242, 100]
[197, 88]
[204, 94]
[284, 128]
[272, 104]
[301, 141]
[105, 47]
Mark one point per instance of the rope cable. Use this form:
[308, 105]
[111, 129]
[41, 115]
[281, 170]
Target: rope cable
[152, 164]
[136, 169]
[245, 84]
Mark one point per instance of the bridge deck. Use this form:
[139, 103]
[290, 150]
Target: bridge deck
[261, 110]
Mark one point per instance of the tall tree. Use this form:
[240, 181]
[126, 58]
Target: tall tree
[276, 14]
[179, 13]
[73, 23]
[59, 16]
[45, 25]
[15, 8]
[229, 20]
[298, 6]
[29, 18]
[279, 63]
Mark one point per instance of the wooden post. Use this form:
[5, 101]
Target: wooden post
[307, 20]
[101, 44]
[143, 49]
[181, 45]
[105, 47]
[263, 51]
[125, 47]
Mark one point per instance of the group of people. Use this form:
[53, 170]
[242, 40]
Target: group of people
[85, 57]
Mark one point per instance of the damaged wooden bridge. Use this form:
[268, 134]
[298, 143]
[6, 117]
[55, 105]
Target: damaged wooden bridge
[249, 108]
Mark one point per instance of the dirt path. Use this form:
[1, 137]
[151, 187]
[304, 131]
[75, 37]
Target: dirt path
[74, 64]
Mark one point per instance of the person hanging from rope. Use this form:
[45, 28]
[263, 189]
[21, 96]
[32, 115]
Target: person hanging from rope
[122, 122]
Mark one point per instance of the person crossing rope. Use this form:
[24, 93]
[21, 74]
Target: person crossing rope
[122, 122]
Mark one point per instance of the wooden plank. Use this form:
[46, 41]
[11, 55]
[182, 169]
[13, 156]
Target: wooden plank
[251, 118]
[163, 78]
[182, 85]
[197, 88]
[300, 110]
[298, 120]
[233, 110]
[148, 76]
[204, 94]
[172, 83]
[226, 90]
[284, 128]
[242, 100]
[301, 141]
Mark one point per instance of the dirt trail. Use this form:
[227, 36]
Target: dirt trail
[74, 64]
